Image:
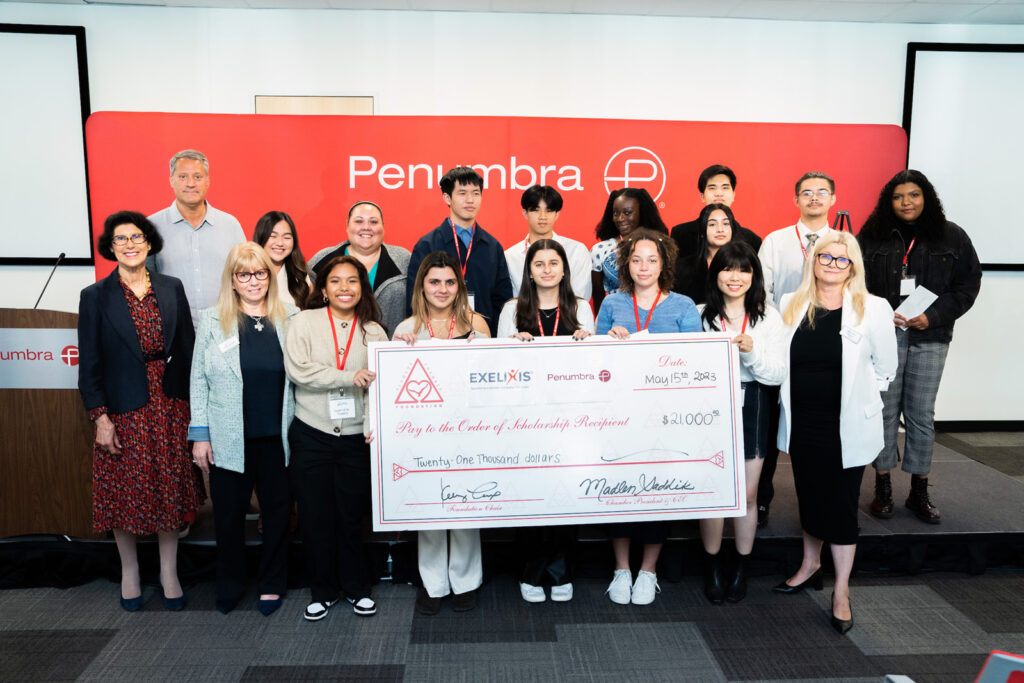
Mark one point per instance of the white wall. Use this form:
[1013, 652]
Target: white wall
[456, 63]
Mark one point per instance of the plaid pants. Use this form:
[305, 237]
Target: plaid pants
[912, 393]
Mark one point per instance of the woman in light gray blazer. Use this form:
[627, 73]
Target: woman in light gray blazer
[242, 405]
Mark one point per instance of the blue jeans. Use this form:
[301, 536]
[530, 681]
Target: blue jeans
[912, 394]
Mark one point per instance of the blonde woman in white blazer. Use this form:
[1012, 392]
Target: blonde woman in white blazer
[841, 355]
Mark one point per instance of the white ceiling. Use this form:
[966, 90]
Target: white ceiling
[891, 11]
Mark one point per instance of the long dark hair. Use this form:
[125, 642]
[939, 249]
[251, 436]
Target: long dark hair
[931, 225]
[734, 256]
[367, 309]
[702, 230]
[295, 265]
[649, 216]
[528, 306]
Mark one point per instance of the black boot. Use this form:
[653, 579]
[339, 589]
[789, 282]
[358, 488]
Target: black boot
[737, 589]
[920, 503]
[714, 582]
[881, 506]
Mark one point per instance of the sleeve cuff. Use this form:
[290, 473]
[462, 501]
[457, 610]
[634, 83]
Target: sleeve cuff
[97, 413]
[198, 433]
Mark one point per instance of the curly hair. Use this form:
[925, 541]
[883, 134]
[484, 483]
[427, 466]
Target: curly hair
[667, 250]
[105, 243]
[931, 225]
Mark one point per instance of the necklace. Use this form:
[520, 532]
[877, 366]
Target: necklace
[548, 314]
[259, 322]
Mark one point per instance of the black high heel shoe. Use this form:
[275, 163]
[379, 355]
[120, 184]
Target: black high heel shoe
[814, 581]
[841, 625]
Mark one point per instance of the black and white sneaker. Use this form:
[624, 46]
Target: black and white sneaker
[364, 607]
[316, 611]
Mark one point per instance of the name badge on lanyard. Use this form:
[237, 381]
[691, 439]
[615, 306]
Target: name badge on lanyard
[472, 300]
[340, 406]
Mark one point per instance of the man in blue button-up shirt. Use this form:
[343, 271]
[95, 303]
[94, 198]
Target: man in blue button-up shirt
[481, 255]
[197, 237]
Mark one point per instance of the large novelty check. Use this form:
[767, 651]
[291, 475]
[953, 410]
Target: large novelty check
[508, 433]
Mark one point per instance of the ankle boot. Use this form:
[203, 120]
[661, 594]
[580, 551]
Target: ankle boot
[919, 501]
[881, 506]
[737, 589]
[714, 582]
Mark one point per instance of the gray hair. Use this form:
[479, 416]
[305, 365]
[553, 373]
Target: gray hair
[190, 154]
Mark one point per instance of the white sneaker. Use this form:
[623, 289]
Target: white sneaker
[618, 589]
[532, 593]
[561, 593]
[316, 611]
[364, 607]
[645, 587]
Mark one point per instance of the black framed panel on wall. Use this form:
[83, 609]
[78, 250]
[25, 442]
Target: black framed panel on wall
[44, 86]
[963, 110]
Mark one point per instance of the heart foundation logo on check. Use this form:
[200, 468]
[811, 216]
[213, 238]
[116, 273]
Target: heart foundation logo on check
[418, 387]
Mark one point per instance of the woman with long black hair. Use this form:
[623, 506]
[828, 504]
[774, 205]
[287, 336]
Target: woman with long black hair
[326, 359]
[908, 243]
[275, 232]
[736, 304]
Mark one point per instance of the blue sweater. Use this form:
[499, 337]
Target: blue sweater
[677, 313]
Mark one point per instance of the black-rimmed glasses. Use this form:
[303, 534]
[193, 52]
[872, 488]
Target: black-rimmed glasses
[261, 274]
[842, 263]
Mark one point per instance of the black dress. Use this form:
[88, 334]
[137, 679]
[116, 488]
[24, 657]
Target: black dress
[826, 493]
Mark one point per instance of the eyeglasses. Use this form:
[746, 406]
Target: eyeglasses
[807, 194]
[262, 274]
[842, 263]
[122, 240]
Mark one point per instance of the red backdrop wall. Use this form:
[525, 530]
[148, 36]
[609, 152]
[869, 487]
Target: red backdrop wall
[315, 167]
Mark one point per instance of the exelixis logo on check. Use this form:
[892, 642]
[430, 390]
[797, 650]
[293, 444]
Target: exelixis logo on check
[499, 379]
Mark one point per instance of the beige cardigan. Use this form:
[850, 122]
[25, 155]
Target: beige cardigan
[311, 363]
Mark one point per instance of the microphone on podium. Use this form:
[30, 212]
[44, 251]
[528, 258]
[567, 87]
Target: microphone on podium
[59, 259]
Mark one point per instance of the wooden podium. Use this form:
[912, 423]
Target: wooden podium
[45, 450]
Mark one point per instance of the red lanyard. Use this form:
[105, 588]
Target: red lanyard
[800, 239]
[554, 331]
[451, 328]
[744, 330]
[907, 255]
[351, 332]
[636, 312]
[458, 252]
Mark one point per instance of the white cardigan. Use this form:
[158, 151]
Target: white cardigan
[869, 364]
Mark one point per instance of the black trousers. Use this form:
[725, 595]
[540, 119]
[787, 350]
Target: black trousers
[765, 486]
[331, 479]
[548, 553]
[230, 492]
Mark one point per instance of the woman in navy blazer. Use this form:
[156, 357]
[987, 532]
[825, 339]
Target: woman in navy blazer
[135, 341]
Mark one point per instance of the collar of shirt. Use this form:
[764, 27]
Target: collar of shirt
[465, 234]
[805, 231]
[176, 216]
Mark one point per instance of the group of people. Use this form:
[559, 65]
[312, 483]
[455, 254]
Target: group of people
[206, 353]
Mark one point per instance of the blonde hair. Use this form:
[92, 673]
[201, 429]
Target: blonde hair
[807, 293]
[246, 257]
[460, 306]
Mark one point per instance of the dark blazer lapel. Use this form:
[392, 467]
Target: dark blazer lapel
[115, 309]
[165, 303]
